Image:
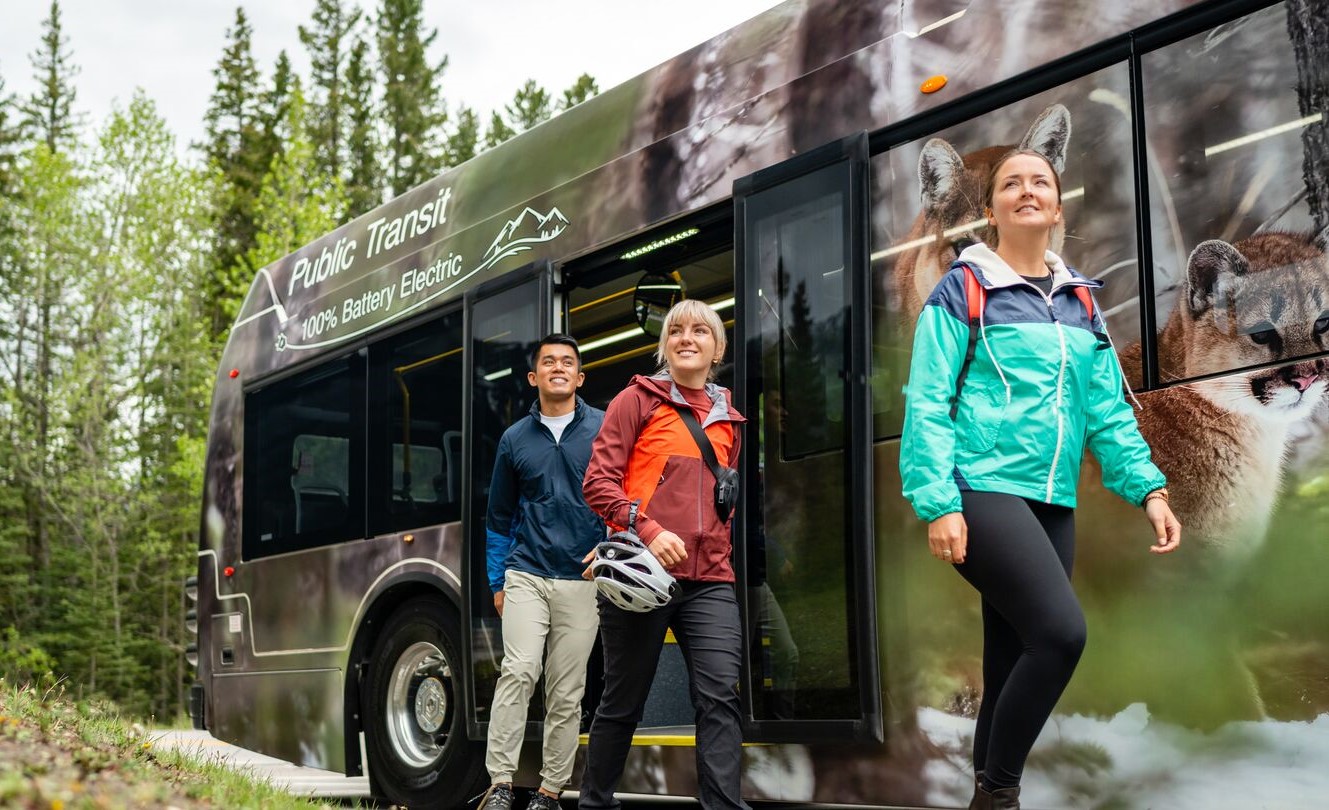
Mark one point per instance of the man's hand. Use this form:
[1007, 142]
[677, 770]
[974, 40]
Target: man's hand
[498, 603]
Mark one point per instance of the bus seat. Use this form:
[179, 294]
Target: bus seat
[426, 466]
[319, 476]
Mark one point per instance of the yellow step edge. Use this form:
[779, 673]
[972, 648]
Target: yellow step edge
[665, 740]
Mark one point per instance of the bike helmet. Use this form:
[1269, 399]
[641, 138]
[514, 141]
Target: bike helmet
[628, 574]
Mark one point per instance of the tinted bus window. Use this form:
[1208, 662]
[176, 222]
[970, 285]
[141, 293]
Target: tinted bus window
[416, 440]
[1239, 276]
[927, 207]
[304, 442]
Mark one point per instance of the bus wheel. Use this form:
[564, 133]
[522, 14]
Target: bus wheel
[415, 732]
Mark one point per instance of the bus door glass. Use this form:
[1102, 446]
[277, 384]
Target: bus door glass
[811, 669]
[505, 319]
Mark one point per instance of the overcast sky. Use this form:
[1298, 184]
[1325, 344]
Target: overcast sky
[170, 47]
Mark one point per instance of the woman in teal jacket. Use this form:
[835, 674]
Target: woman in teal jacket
[991, 454]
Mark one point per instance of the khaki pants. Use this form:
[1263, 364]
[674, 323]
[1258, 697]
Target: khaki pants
[553, 619]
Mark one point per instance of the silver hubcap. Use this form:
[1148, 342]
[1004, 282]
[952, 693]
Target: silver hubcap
[417, 704]
[431, 703]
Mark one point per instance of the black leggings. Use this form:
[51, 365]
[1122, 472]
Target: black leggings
[1019, 558]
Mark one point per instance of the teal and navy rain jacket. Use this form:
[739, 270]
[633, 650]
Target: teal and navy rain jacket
[1044, 384]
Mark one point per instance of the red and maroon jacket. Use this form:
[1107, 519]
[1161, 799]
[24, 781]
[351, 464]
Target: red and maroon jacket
[644, 452]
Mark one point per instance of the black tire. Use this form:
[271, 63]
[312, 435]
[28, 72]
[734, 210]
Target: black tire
[415, 729]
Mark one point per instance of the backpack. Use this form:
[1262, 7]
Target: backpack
[976, 297]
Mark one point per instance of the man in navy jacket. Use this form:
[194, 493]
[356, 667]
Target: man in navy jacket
[539, 529]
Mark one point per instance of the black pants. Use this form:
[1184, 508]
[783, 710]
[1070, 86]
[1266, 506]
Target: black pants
[1019, 558]
[704, 618]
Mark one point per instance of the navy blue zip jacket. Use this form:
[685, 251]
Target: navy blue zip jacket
[538, 521]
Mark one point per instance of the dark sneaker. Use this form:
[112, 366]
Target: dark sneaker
[498, 797]
[542, 802]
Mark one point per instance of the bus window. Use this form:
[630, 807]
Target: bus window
[927, 207]
[415, 445]
[1239, 278]
[304, 437]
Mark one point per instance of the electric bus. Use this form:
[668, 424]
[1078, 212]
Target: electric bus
[811, 174]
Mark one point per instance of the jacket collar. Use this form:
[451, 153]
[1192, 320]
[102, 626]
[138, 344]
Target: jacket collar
[993, 271]
[578, 410]
[663, 386]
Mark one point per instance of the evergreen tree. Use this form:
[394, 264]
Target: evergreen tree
[38, 298]
[297, 203]
[49, 111]
[238, 159]
[412, 106]
[498, 131]
[274, 109]
[530, 106]
[364, 178]
[11, 136]
[463, 140]
[582, 89]
[328, 41]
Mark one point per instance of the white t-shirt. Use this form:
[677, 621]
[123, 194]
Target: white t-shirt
[557, 424]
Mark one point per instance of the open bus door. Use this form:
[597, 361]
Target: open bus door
[806, 568]
[504, 319]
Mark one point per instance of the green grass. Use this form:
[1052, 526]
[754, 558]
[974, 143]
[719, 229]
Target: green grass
[62, 755]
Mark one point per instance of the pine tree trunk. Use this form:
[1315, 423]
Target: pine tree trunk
[1308, 28]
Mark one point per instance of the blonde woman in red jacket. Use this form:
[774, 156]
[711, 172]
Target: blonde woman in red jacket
[646, 453]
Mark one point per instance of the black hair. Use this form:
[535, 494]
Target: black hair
[555, 339]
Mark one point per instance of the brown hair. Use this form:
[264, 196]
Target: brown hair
[990, 236]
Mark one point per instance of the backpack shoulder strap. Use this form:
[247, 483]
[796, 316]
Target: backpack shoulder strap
[1086, 299]
[699, 436]
[975, 299]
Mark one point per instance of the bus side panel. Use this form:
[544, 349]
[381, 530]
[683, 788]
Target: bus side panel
[282, 714]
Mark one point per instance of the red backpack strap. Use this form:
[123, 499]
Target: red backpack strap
[974, 294]
[1088, 300]
[975, 299]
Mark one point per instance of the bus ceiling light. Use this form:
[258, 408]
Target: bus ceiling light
[659, 243]
[934, 26]
[1210, 151]
[228, 571]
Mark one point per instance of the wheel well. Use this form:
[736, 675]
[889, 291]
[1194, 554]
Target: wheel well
[382, 607]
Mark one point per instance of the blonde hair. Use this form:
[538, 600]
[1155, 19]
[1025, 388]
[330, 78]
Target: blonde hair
[692, 310]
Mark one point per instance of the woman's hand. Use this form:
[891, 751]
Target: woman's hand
[948, 537]
[668, 549]
[1167, 529]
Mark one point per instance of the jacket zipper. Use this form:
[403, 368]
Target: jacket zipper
[1061, 379]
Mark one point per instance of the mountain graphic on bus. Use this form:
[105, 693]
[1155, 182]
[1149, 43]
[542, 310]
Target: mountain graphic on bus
[530, 227]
